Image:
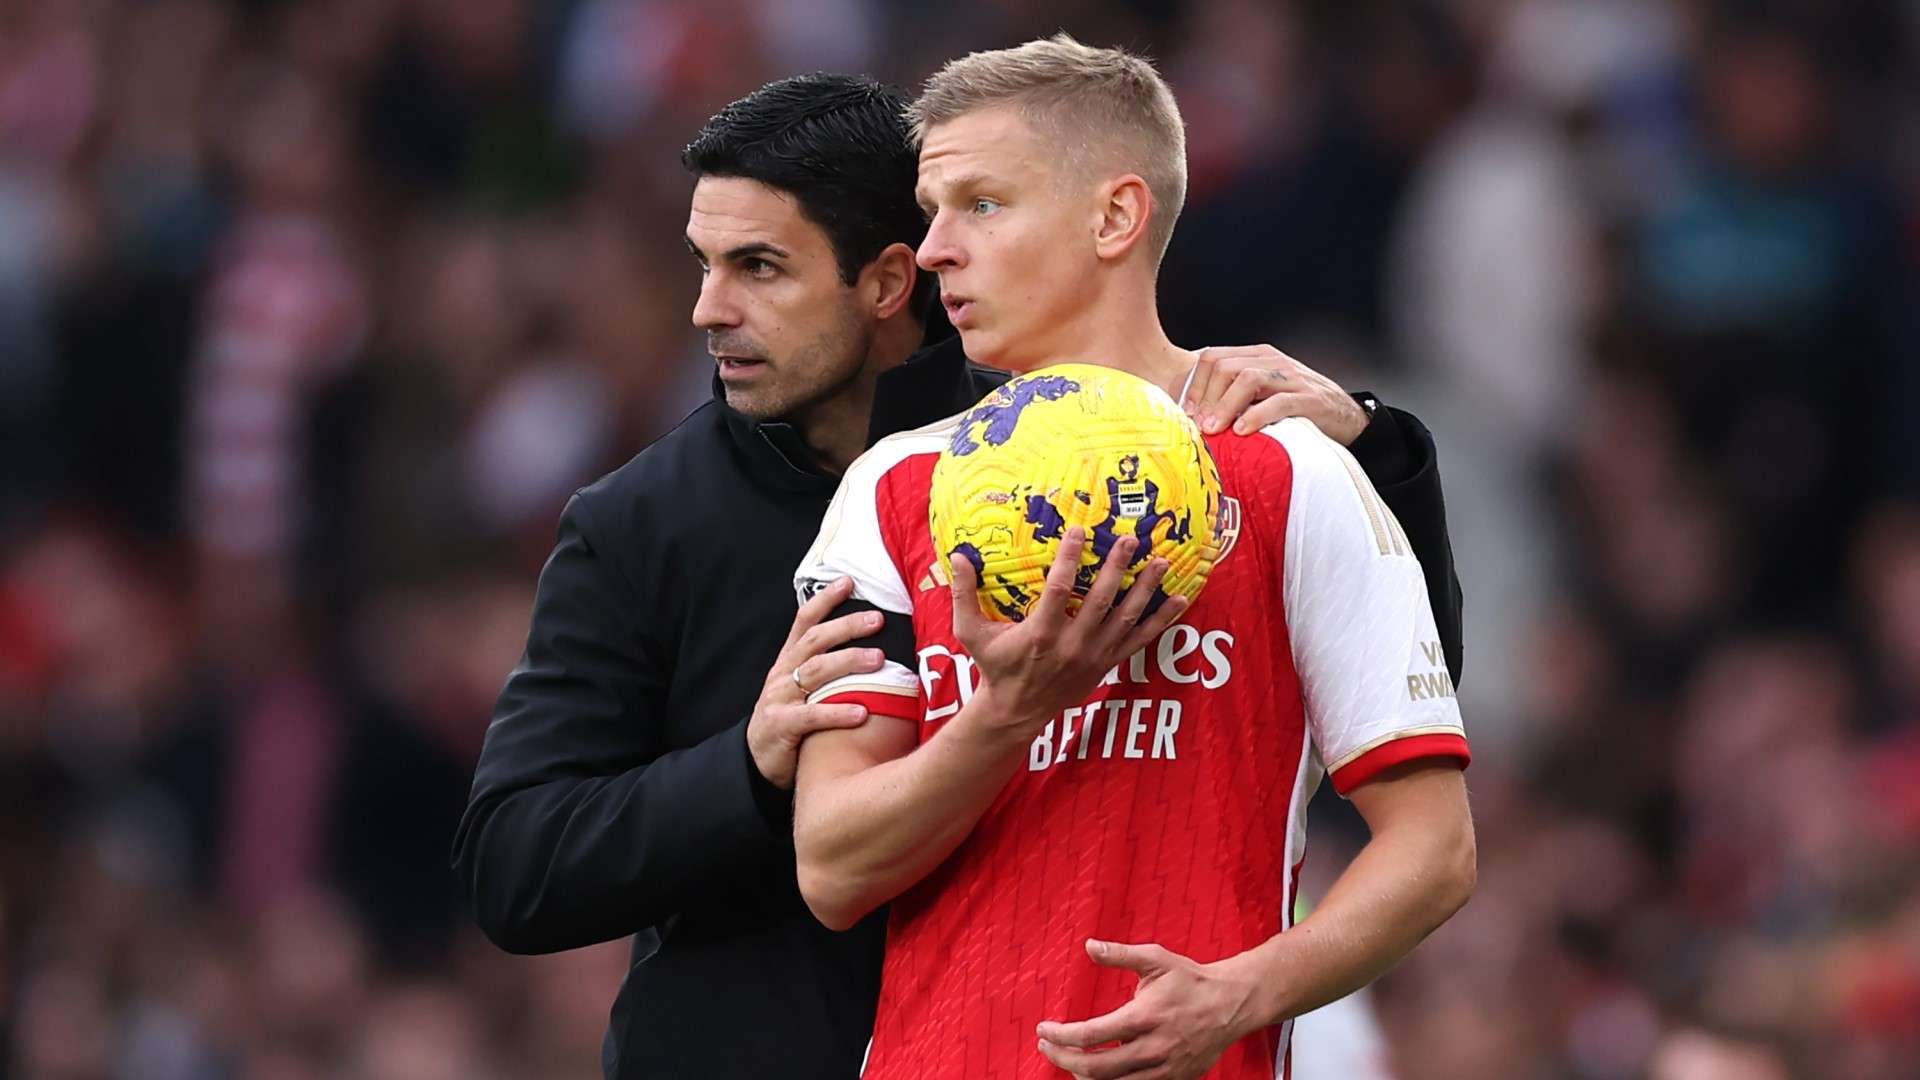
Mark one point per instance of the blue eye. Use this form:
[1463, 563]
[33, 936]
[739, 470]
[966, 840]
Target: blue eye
[985, 207]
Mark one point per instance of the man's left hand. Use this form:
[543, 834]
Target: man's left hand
[1251, 386]
[1183, 1016]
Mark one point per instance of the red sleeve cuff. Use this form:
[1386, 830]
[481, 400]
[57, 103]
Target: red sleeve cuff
[1387, 755]
[899, 706]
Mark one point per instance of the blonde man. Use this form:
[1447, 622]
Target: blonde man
[1045, 859]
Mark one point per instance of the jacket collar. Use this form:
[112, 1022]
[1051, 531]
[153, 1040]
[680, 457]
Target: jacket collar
[933, 383]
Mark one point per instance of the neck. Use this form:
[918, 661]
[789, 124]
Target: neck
[835, 428]
[1121, 329]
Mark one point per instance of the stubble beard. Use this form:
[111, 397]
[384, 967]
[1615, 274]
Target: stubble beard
[814, 377]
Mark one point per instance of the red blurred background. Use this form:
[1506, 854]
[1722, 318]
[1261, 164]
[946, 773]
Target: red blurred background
[312, 312]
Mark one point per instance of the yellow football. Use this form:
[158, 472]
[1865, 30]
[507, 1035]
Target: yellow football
[1075, 444]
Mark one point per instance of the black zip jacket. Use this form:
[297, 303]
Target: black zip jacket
[615, 795]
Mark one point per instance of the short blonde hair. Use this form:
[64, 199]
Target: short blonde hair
[1103, 106]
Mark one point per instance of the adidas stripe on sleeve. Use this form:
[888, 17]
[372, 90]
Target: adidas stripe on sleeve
[1364, 640]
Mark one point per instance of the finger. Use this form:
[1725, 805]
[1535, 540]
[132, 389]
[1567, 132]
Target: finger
[968, 620]
[1124, 1024]
[1200, 385]
[818, 605]
[1139, 595]
[1099, 599]
[834, 633]
[1145, 960]
[1128, 1060]
[1299, 372]
[1272, 410]
[1136, 628]
[817, 671]
[1049, 614]
[1229, 361]
[1150, 628]
[804, 720]
[1247, 387]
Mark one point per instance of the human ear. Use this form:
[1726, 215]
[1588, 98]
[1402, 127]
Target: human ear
[1126, 207]
[888, 280]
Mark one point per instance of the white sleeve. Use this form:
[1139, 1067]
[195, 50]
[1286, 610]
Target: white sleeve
[1372, 673]
[850, 544]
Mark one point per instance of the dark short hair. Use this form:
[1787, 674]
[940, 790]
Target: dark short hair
[841, 146]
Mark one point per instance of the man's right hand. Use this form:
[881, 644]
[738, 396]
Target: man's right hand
[1053, 660]
[782, 719]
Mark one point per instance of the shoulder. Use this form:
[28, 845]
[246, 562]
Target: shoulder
[1315, 463]
[1304, 445]
[669, 472]
[1291, 471]
[1267, 467]
[884, 492]
[889, 455]
[664, 463]
[1331, 502]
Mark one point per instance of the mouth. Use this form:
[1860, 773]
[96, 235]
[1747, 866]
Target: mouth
[738, 367]
[958, 308]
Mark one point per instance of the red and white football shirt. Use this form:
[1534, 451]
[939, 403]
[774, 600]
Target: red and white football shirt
[1170, 807]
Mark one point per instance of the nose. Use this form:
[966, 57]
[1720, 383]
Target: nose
[939, 252]
[715, 309]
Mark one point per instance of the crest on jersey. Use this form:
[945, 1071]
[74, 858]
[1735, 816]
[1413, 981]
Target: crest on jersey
[1229, 527]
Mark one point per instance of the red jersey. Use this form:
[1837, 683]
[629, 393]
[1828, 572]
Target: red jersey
[1170, 806]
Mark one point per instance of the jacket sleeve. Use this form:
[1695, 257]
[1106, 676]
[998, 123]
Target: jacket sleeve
[580, 827]
[1398, 454]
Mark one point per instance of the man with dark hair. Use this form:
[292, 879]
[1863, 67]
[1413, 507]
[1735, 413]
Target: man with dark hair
[637, 777]
[863, 202]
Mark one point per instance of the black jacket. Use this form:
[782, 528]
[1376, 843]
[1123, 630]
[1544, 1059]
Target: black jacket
[615, 795]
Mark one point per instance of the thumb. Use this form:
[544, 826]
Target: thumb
[1143, 960]
[967, 616]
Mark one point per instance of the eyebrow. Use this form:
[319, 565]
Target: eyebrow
[744, 251]
[958, 182]
[748, 251]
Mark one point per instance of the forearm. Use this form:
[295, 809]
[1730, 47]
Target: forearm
[1400, 887]
[557, 862]
[863, 837]
[583, 825]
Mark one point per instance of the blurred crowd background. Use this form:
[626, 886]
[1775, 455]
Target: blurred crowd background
[312, 313]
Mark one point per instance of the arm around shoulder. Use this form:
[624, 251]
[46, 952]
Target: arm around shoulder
[581, 826]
